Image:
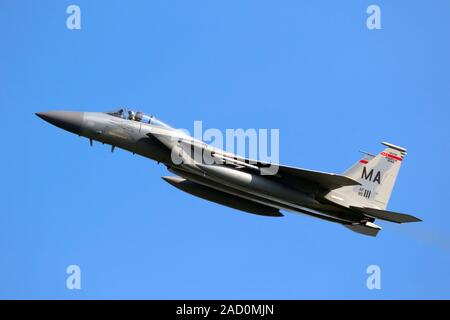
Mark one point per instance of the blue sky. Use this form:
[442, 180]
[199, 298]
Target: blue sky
[311, 69]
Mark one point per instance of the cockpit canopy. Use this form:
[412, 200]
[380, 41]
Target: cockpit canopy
[137, 116]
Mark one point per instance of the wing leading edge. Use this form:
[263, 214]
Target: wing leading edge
[325, 180]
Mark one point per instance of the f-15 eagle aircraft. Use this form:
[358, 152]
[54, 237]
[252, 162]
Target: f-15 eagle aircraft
[353, 199]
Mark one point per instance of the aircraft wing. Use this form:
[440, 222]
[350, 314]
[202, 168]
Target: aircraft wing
[324, 180]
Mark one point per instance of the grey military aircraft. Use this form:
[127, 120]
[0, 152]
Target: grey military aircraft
[353, 199]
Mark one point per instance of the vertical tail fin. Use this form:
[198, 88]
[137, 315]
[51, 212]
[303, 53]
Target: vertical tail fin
[377, 175]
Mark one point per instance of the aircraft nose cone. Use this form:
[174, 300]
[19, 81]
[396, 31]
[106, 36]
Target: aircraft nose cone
[67, 120]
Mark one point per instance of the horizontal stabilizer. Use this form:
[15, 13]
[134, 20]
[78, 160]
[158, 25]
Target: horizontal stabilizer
[386, 215]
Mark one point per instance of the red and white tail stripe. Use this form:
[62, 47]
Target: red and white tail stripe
[391, 156]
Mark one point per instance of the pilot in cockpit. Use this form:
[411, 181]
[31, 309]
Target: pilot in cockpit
[138, 116]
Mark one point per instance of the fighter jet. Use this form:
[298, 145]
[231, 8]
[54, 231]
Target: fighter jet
[353, 199]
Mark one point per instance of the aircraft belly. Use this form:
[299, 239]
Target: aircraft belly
[222, 198]
[198, 178]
